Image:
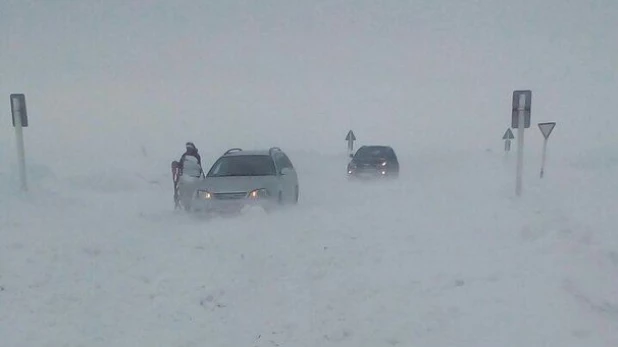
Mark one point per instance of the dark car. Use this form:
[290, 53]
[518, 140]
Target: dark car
[374, 161]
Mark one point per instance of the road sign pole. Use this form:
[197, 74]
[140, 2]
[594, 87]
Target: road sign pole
[543, 157]
[520, 144]
[546, 129]
[21, 152]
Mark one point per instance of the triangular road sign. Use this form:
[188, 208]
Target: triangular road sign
[508, 135]
[350, 136]
[546, 128]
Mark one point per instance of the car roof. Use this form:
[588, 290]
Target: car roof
[256, 152]
[377, 147]
[245, 153]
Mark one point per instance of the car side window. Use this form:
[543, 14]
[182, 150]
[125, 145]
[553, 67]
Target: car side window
[391, 154]
[283, 162]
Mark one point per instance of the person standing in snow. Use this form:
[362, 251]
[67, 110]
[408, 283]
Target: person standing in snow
[190, 166]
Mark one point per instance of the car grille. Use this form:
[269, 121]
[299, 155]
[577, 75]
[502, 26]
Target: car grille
[230, 196]
[366, 167]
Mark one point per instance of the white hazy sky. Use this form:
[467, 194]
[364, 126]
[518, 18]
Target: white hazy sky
[101, 75]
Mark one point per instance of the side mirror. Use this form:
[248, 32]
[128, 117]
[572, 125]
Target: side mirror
[285, 171]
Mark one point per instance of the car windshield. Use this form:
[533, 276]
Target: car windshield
[374, 152]
[243, 165]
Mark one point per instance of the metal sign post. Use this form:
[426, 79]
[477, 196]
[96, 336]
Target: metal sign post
[522, 101]
[546, 129]
[20, 120]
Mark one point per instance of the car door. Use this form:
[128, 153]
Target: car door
[288, 179]
[393, 158]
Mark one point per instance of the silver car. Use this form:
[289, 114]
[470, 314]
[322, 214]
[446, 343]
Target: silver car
[243, 178]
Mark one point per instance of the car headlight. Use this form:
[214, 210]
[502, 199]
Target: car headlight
[203, 194]
[258, 193]
[383, 164]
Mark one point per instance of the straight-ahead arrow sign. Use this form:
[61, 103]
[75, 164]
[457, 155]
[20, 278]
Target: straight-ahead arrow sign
[507, 137]
[350, 137]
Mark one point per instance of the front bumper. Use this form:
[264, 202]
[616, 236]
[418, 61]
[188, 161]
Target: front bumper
[226, 205]
[369, 173]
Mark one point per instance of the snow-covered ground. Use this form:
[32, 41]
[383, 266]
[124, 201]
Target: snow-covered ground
[94, 255]
[445, 256]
